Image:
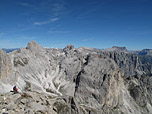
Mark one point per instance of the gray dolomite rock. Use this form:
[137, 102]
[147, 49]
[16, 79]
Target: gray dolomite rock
[5, 65]
[76, 81]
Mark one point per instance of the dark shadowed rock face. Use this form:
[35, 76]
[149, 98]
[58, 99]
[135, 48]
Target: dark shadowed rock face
[145, 52]
[132, 64]
[80, 81]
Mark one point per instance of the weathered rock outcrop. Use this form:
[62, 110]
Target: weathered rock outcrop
[32, 103]
[5, 65]
[118, 49]
[145, 52]
[80, 81]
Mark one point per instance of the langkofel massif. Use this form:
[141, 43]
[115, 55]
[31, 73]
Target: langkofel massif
[76, 81]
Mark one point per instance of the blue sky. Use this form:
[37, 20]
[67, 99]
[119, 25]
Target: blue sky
[89, 23]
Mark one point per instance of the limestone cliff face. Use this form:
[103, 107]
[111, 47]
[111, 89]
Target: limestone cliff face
[34, 47]
[132, 64]
[81, 80]
[5, 65]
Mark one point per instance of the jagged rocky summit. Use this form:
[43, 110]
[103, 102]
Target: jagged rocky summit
[75, 81]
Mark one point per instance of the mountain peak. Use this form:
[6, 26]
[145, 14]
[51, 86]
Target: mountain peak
[117, 48]
[34, 46]
[120, 48]
[69, 47]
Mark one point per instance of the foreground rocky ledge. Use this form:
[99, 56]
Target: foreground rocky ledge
[32, 103]
[75, 81]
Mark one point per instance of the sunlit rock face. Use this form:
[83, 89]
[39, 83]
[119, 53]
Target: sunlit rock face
[5, 65]
[76, 81]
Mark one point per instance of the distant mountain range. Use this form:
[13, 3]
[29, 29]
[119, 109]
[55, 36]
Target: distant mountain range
[124, 49]
[145, 52]
[76, 80]
[114, 48]
[10, 50]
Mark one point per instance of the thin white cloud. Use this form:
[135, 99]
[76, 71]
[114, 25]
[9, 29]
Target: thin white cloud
[9, 43]
[55, 8]
[27, 38]
[1, 34]
[54, 19]
[25, 29]
[89, 39]
[46, 22]
[59, 31]
[58, 8]
[27, 5]
[87, 13]
[53, 28]
[49, 8]
[22, 28]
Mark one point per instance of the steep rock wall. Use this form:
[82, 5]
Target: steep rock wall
[88, 81]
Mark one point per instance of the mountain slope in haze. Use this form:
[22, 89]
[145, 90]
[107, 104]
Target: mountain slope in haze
[77, 81]
[116, 48]
[10, 50]
[145, 52]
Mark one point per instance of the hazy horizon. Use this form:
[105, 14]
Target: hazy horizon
[78, 47]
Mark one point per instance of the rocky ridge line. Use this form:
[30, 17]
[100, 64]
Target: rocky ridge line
[77, 81]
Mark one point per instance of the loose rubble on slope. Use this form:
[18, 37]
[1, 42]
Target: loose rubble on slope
[75, 81]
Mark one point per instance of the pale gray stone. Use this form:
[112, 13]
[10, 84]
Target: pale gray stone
[76, 81]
